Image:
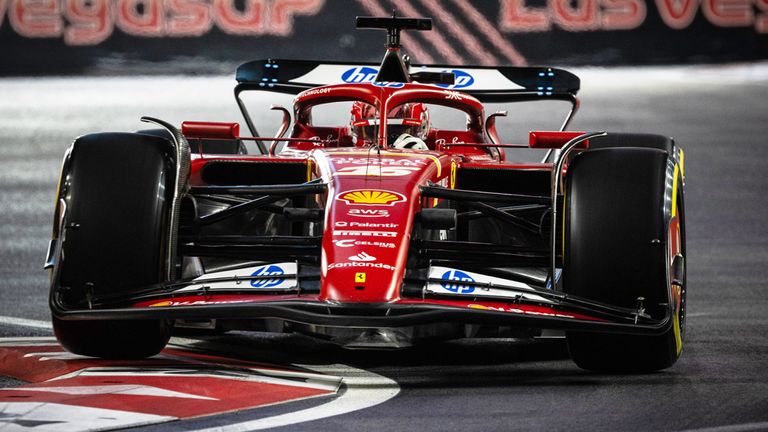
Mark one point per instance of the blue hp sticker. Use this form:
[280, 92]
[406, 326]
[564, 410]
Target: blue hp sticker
[271, 270]
[456, 287]
[360, 74]
[461, 79]
[389, 84]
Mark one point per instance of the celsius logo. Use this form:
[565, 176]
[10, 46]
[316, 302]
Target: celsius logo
[461, 79]
[360, 74]
[457, 276]
[271, 270]
[345, 243]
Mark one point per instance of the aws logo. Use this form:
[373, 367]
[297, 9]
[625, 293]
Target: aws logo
[368, 213]
[370, 197]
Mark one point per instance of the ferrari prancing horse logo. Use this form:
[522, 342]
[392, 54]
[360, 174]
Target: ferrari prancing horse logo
[370, 197]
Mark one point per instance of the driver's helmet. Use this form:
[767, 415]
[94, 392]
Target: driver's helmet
[411, 119]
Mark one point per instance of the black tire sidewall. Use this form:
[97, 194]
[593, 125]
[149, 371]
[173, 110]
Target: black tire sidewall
[616, 235]
[118, 190]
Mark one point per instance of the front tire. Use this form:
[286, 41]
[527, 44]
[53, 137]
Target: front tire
[114, 198]
[620, 241]
[113, 339]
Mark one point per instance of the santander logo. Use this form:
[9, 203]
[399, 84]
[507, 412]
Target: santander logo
[362, 256]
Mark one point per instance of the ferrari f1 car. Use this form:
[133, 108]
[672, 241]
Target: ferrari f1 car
[378, 232]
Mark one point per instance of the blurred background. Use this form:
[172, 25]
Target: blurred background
[98, 37]
[695, 70]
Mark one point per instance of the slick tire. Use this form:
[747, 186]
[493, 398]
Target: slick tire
[113, 339]
[619, 242]
[115, 197]
[622, 140]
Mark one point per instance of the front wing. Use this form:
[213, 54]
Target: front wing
[565, 313]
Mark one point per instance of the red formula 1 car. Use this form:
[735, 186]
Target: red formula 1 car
[380, 230]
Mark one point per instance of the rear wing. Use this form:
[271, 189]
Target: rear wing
[488, 84]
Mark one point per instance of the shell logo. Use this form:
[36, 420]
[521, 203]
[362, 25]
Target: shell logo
[370, 197]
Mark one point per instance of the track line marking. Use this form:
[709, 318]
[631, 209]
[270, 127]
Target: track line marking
[28, 340]
[131, 389]
[744, 427]
[23, 322]
[364, 389]
[54, 417]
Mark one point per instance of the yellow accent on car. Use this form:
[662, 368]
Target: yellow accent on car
[674, 192]
[679, 170]
[370, 197]
[676, 324]
[161, 304]
[682, 163]
[452, 180]
[360, 277]
[407, 155]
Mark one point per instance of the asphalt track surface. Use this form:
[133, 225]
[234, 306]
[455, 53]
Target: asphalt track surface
[720, 116]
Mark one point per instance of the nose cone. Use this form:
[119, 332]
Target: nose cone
[369, 218]
[365, 261]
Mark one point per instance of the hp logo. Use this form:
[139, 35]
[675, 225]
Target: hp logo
[361, 74]
[457, 287]
[388, 84]
[271, 270]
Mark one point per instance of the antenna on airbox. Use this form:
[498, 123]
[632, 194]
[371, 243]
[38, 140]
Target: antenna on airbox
[393, 68]
[393, 25]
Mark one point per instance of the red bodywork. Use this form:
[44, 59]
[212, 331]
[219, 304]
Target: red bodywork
[362, 239]
[369, 206]
[373, 195]
[373, 230]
